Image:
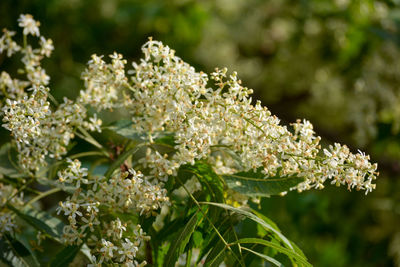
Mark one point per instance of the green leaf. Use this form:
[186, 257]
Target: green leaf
[54, 183]
[197, 239]
[265, 257]
[125, 129]
[7, 167]
[180, 242]
[14, 253]
[211, 238]
[254, 218]
[119, 161]
[288, 252]
[217, 253]
[266, 219]
[41, 220]
[255, 184]
[210, 181]
[65, 256]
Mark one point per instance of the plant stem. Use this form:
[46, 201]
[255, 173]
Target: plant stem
[42, 195]
[208, 219]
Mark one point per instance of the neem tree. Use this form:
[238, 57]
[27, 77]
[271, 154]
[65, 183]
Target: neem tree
[185, 154]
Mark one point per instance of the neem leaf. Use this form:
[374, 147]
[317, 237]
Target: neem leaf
[217, 253]
[210, 181]
[65, 256]
[14, 253]
[288, 252]
[125, 128]
[253, 217]
[40, 220]
[257, 185]
[265, 257]
[181, 241]
[7, 167]
[120, 160]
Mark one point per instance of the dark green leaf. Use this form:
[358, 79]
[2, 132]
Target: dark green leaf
[210, 181]
[14, 253]
[65, 256]
[265, 257]
[288, 252]
[217, 253]
[254, 218]
[117, 163]
[178, 245]
[211, 238]
[256, 184]
[40, 220]
[7, 167]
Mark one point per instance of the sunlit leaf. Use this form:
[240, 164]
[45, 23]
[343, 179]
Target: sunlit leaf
[265, 257]
[254, 218]
[275, 246]
[257, 185]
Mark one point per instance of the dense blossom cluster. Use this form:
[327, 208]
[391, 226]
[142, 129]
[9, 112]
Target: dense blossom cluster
[103, 82]
[124, 193]
[165, 94]
[37, 129]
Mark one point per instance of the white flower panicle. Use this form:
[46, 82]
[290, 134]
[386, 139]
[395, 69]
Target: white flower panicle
[111, 240]
[210, 118]
[165, 94]
[38, 130]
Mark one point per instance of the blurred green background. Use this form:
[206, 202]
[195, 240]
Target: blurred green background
[334, 62]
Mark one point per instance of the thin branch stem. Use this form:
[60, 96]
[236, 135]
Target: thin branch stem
[208, 219]
[42, 195]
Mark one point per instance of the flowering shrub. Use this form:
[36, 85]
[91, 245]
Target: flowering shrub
[172, 185]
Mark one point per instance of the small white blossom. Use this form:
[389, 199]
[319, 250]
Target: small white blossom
[29, 24]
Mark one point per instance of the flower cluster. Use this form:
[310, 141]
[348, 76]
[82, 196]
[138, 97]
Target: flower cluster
[8, 196]
[103, 82]
[37, 129]
[165, 94]
[112, 240]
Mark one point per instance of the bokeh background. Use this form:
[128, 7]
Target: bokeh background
[333, 62]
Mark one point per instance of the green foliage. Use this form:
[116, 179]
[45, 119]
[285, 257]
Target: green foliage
[269, 43]
[65, 256]
[257, 185]
[181, 240]
[15, 253]
[42, 221]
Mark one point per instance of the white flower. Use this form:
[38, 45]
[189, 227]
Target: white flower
[107, 249]
[46, 46]
[6, 43]
[29, 24]
[128, 250]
